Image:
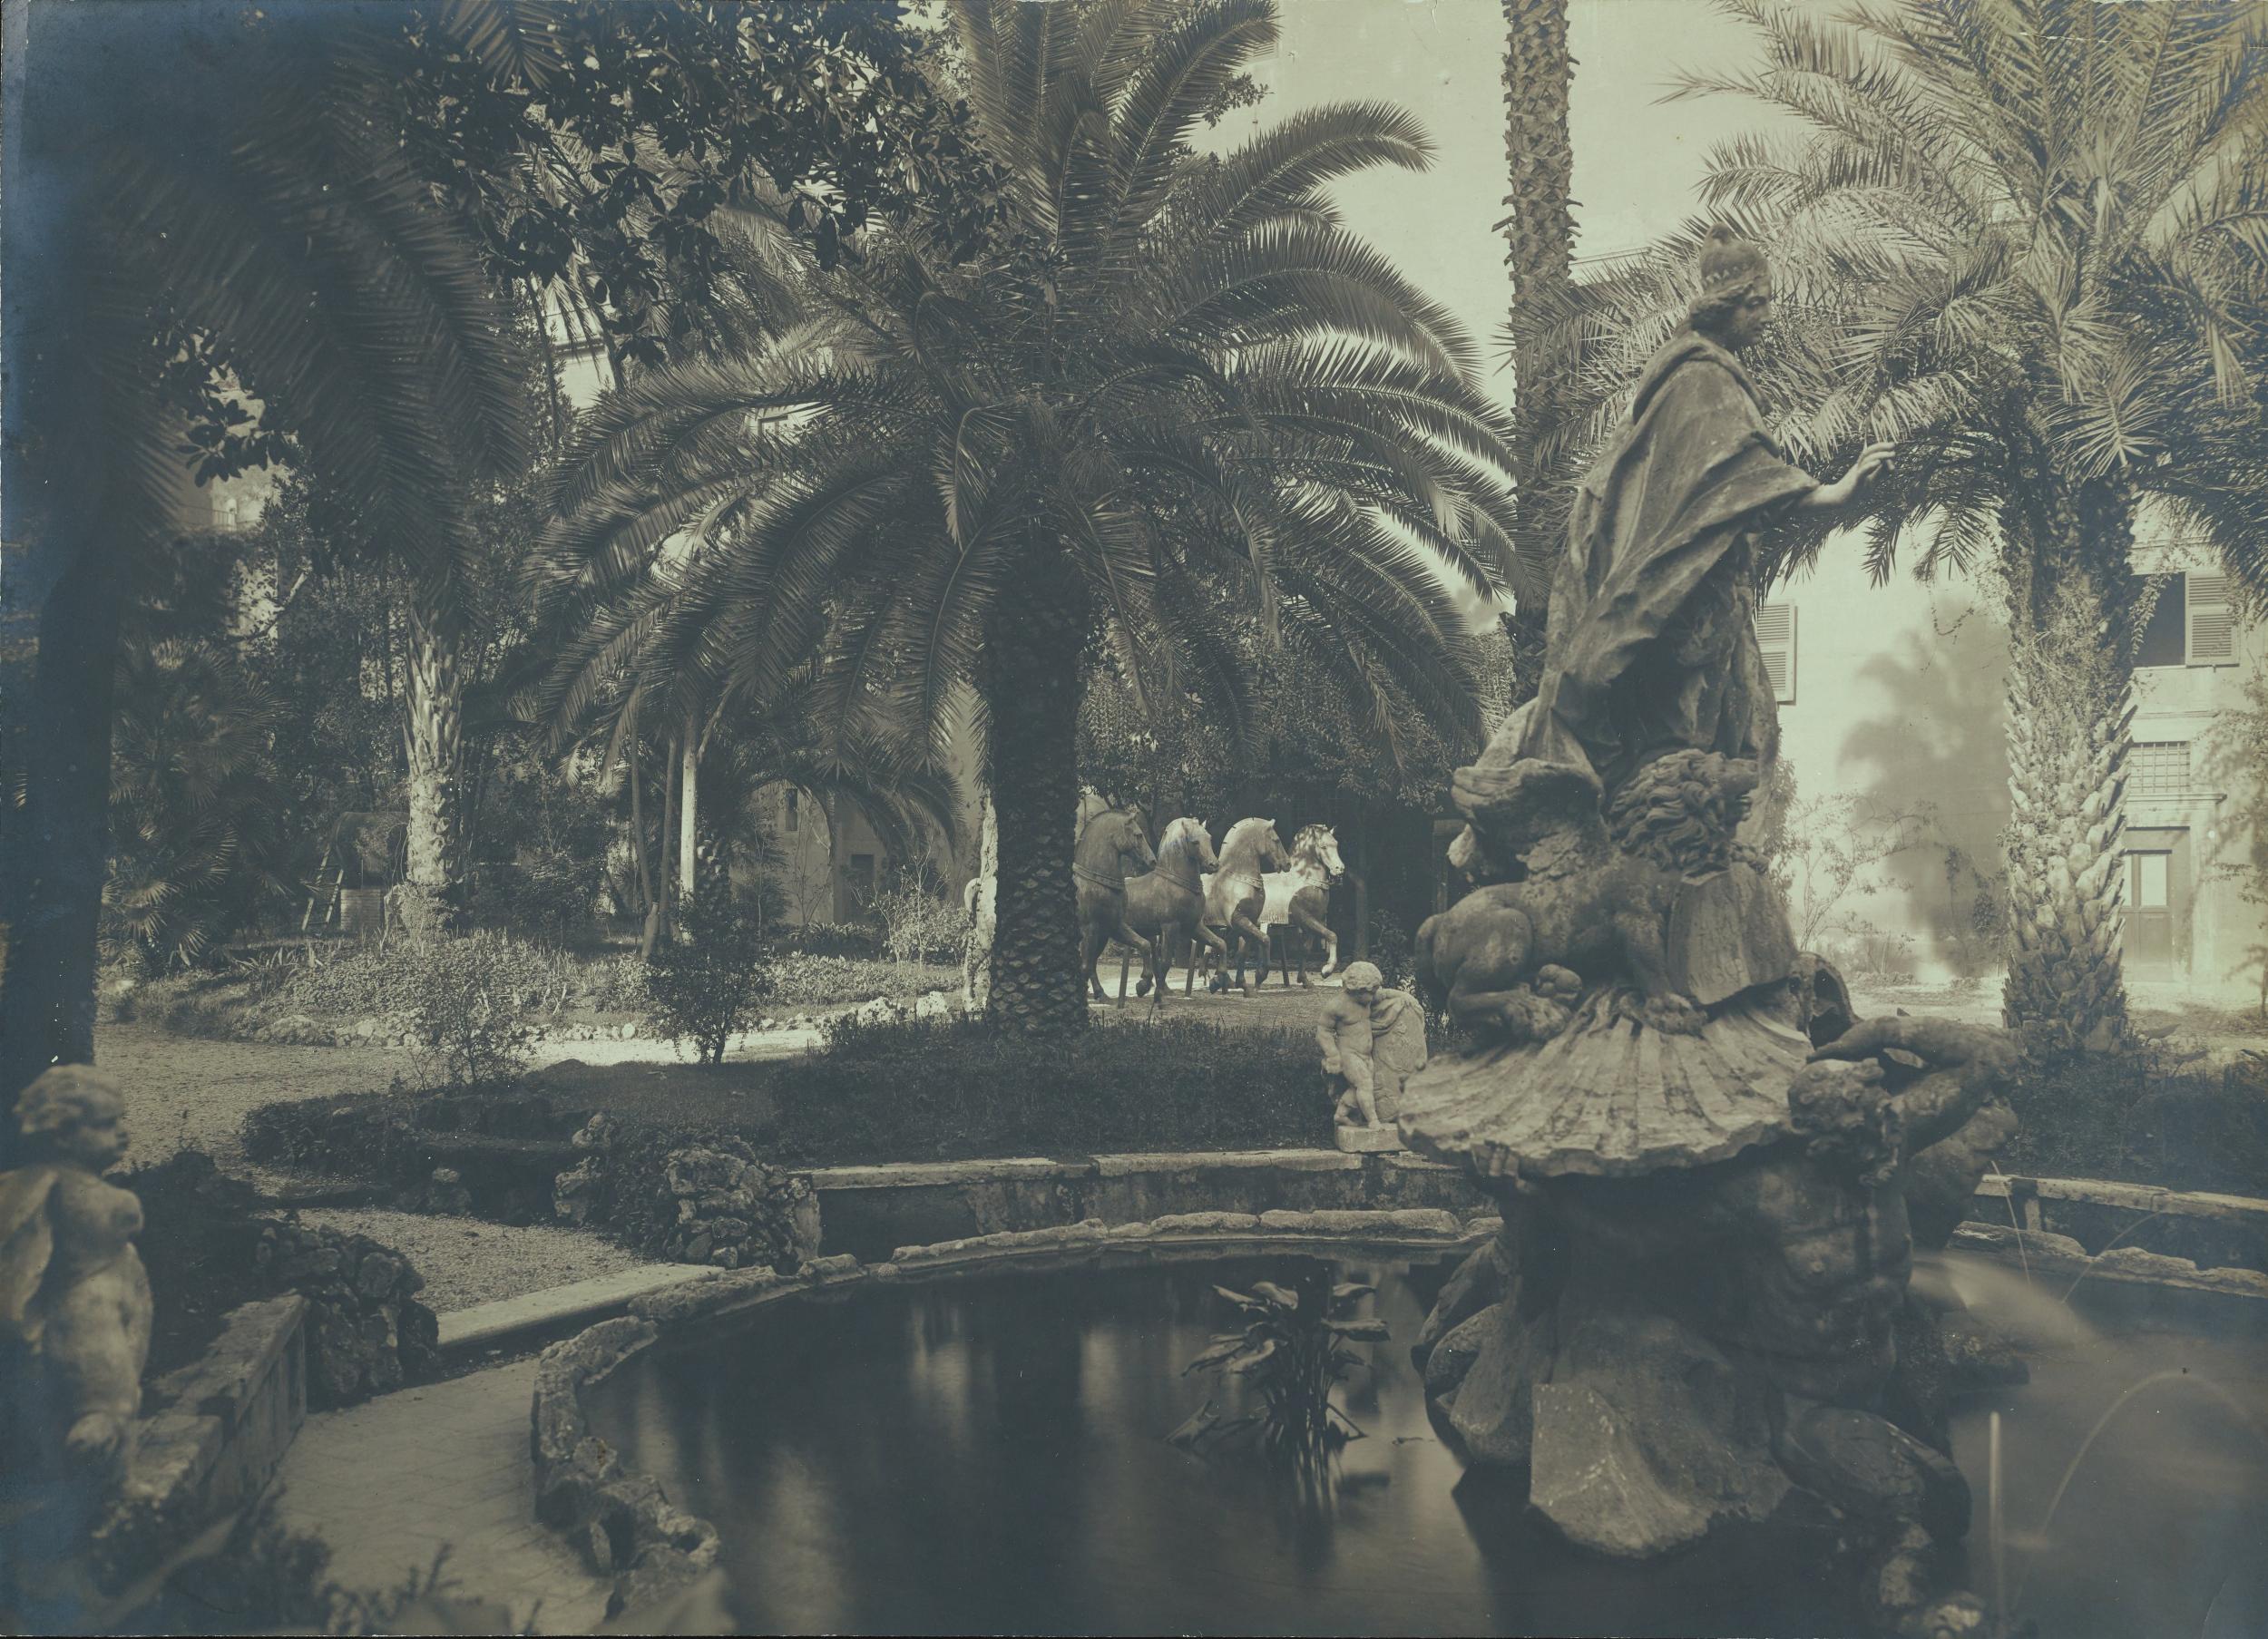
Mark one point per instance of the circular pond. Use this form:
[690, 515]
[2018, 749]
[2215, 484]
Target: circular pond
[989, 1454]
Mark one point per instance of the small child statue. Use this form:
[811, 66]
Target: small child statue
[75, 1300]
[1372, 1040]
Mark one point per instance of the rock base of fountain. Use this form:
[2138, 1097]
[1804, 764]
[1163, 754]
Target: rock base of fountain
[1676, 1353]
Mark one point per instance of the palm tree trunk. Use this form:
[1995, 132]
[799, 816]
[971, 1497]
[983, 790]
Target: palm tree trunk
[1539, 248]
[1031, 683]
[658, 913]
[431, 896]
[57, 841]
[688, 812]
[637, 827]
[2069, 714]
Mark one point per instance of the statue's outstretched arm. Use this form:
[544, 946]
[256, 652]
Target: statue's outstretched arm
[1961, 1066]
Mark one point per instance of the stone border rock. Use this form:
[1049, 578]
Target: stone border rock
[870, 1211]
[2130, 1266]
[623, 1524]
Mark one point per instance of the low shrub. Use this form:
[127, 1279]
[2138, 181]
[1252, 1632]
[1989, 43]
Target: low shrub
[689, 1197]
[834, 939]
[704, 985]
[258, 1575]
[210, 1250]
[804, 981]
[468, 1009]
[919, 923]
[951, 1088]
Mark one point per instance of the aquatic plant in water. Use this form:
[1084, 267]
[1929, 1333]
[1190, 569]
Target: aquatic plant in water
[1292, 1349]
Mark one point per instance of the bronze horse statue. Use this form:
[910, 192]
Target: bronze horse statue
[1099, 871]
[1236, 893]
[1299, 903]
[1167, 905]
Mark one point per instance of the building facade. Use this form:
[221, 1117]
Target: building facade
[1892, 711]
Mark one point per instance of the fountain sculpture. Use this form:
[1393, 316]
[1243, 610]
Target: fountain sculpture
[1697, 1317]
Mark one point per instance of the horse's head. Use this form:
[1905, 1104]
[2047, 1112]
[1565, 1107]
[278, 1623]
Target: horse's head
[1321, 845]
[1132, 839]
[1273, 856]
[1187, 839]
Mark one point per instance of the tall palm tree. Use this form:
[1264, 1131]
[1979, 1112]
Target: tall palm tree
[202, 184]
[1539, 230]
[1175, 381]
[2027, 240]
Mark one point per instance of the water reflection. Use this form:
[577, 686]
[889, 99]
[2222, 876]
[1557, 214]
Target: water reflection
[988, 1456]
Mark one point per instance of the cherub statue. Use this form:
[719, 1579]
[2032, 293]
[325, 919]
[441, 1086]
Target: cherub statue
[1373, 1040]
[75, 1300]
[1344, 1032]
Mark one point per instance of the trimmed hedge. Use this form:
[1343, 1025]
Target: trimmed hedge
[952, 1089]
[2118, 1116]
[895, 1090]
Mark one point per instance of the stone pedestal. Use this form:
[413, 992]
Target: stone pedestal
[1383, 1139]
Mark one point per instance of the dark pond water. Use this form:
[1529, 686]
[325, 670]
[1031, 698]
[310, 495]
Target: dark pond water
[988, 1456]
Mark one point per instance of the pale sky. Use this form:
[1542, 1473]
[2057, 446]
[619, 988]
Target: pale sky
[1636, 162]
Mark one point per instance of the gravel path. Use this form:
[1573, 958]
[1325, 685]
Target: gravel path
[466, 1262]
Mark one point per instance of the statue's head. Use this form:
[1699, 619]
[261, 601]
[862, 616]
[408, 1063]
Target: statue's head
[1735, 300]
[75, 1114]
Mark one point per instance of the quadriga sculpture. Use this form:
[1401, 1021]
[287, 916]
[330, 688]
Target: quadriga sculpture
[74, 1301]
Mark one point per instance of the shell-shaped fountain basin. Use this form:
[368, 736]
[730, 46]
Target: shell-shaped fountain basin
[1610, 1097]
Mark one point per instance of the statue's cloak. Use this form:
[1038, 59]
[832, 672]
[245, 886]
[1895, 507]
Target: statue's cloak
[1650, 646]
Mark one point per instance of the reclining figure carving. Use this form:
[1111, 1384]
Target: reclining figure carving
[1513, 956]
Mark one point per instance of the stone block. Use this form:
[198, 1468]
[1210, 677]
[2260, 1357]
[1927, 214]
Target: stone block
[1367, 1141]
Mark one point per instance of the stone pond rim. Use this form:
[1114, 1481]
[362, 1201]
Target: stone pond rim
[1611, 1097]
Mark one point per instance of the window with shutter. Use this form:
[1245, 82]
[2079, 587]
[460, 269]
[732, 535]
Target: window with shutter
[1776, 636]
[2212, 626]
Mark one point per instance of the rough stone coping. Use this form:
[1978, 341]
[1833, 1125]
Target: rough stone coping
[176, 1451]
[2124, 1265]
[487, 1324]
[220, 1382]
[627, 1529]
[907, 1175]
[2137, 1197]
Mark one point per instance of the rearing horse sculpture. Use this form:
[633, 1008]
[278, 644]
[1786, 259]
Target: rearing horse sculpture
[1236, 893]
[1299, 899]
[1099, 869]
[1167, 906]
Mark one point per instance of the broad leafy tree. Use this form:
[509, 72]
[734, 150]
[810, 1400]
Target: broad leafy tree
[195, 195]
[1166, 374]
[2029, 240]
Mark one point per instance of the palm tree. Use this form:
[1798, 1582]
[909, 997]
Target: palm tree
[203, 186]
[2029, 240]
[1175, 382]
[1539, 250]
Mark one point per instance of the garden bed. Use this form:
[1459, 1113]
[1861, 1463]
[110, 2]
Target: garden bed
[365, 995]
[944, 1091]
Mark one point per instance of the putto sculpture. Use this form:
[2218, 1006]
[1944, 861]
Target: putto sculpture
[1697, 1318]
[75, 1300]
